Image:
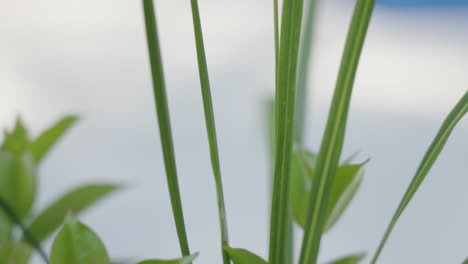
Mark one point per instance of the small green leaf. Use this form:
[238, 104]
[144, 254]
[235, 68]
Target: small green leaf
[242, 256]
[345, 185]
[184, 260]
[16, 253]
[17, 181]
[346, 182]
[76, 201]
[16, 141]
[41, 145]
[351, 259]
[77, 244]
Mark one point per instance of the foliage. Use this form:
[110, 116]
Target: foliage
[312, 189]
[20, 157]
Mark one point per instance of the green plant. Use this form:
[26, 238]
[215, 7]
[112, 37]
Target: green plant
[312, 189]
[19, 158]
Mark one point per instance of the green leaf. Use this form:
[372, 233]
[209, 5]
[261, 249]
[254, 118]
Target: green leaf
[15, 253]
[76, 201]
[457, 113]
[77, 244]
[10, 213]
[465, 262]
[165, 133]
[351, 259]
[332, 142]
[17, 181]
[242, 256]
[184, 260]
[210, 125]
[16, 141]
[284, 100]
[346, 182]
[6, 227]
[41, 145]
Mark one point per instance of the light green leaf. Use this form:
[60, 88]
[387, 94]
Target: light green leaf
[457, 113]
[351, 259]
[77, 244]
[17, 181]
[165, 131]
[17, 141]
[242, 256]
[184, 260]
[333, 137]
[76, 201]
[15, 253]
[284, 101]
[41, 145]
[347, 180]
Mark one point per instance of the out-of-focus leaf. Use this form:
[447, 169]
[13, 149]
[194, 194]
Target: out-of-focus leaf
[465, 262]
[184, 260]
[16, 141]
[5, 227]
[15, 253]
[41, 145]
[76, 201]
[77, 244]
[17, 181]
[351, 259]
[242, 256]
[346, 182]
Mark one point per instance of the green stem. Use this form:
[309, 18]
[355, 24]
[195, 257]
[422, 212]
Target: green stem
[165, 132]
[210, 126]
[26, 234]
[332, 143]
[284, 101]
[304, 70]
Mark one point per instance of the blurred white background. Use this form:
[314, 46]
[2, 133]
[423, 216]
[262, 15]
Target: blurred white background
[89, 57]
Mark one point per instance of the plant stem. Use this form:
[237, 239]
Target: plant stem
[304, 70]
[285, 96]
[26, 234]
[332, 143]
[210, 126]
[162, 111]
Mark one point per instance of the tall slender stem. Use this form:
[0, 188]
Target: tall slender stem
[210, 126]
[162, 111]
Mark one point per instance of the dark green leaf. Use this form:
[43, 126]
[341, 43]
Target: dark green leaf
[165, 133]
[41, 145]
[352, 259]
[284, 101]
[457, 113]
[184, 260]
[76, 201]
[242, 256]
[77, 244]
[333, 137]
[15, 253]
